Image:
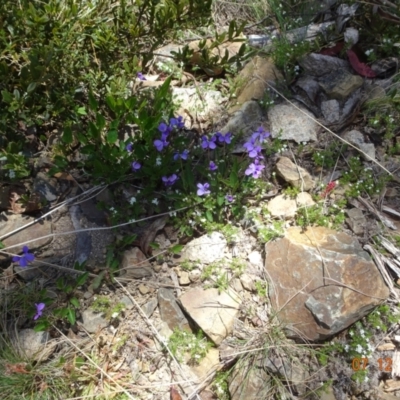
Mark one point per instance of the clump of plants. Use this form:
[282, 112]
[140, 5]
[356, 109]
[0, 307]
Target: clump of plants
[188, 346]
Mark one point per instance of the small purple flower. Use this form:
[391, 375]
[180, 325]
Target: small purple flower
[129, 147]
[202, 189]
[224, 138]
[136, 166]
[212, 166]
[178, 122]
[209, 143]
[160, 144]
[229, 198]
[141, 76]
[164, 128]
[260, 134]
[39, 310]
[169, 180]
[183, 155]
[252, 149]
[254, 169]
[25, 258]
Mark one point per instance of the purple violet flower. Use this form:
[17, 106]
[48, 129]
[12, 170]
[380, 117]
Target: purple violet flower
[252, 149]
[169, 180]
[136, 166]
[164, 128]
[177, 122]
[212, 166]
[209, 143]
[229, 198]
[202, 189]
[129, 147]
[25, 258]
[183, 155]
[261, 134]
[39, 310]
[254, 169]
[141, 76]
[224, 138]
[160, 144]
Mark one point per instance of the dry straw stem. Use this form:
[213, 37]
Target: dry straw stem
[94, 364]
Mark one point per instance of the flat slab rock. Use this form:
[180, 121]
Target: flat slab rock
[292, 123]
[321, 281]
[213, 311]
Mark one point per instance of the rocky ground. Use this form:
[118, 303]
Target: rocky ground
[266, 307]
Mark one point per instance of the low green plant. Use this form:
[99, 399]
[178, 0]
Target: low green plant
[195, 346]
[261, 288]
[360, 179]
[220, 385]
[328, 157]
[322, 214]
[291, 192]
[101, 304]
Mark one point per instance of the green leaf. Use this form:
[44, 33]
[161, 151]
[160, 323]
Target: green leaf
[93, 104]
[71, 316]
[176, 249]
[97, 281]
[79, 361]
[81, 111]
[75, 302]
[112, 136]
[17, 95]
[67, 137]
[2, 245]
[42, 325]
[209, 216]
[231, 30]
[82, 279]
[111, 102]
[7, 96]
[32, 86]
[220, 200]
[100, 122]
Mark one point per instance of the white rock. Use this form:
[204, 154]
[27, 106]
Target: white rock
[207, 248]
[282, 206]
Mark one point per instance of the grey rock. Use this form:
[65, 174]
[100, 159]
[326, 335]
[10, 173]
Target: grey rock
[41, 231]
[356, 138]
[33, 345]
[318, 64]
[46, 186]
[340, 84]
[184, 279]
[246, 120]
[93, 321]
[356, 221]
[149, 307]
[291, 123]
[331, 111]
[170, 311]
[127, 302]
